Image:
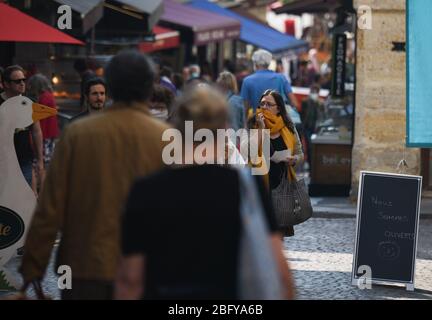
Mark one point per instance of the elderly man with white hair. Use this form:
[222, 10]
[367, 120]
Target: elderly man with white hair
[263, 79]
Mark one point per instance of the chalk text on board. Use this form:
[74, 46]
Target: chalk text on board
[383, 216]
[381, 203]
[399, 235]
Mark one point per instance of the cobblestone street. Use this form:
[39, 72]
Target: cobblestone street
[320, 254]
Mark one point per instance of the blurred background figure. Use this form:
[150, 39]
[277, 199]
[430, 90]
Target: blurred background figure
[83, 68]
[195, 74]
[178, 81]
[161, 102]
[263, 79]
[312, 112]
[163, 74]
[206, 72]
[205, 264]
[40, 90]
[166, 79]
[186, 74]
[228, 84]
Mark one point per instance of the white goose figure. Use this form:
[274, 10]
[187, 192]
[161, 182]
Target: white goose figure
[17, 200]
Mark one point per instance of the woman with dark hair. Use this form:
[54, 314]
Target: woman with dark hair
[285, 145]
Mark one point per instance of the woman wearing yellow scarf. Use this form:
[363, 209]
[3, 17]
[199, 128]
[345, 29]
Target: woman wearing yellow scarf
[285, 146]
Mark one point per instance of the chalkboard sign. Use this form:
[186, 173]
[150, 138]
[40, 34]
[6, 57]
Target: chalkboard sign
[387, 227]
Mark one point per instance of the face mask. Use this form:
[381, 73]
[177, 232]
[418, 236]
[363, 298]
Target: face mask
[159, 114]
[314, 96]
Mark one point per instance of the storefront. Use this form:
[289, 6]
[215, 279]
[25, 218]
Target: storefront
[256, 34]
[200, 32]
[332, 143]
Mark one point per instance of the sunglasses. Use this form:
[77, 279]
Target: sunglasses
[18, 81]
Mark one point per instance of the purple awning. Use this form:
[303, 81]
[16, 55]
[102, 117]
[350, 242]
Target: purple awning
[207, 27]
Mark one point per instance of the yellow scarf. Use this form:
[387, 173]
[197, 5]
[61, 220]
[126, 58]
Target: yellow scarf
[276, 125]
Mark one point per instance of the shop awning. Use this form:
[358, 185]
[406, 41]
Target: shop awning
[312, 6]
[207, 26]
[89, 11]
[16, 26]
[256, 33]
[163, 39]
[147, 10]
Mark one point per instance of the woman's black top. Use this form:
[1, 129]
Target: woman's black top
[277, 170]
[186, 221]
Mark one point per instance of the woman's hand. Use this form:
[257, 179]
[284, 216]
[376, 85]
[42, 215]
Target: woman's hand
[260, 121]
[292, 160]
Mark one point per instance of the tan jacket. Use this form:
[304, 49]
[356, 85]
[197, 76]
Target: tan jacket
[86, 187]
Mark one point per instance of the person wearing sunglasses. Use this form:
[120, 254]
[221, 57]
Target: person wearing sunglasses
[14, 84]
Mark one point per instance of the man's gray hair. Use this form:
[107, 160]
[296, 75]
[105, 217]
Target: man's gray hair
[38, 84]
[262, 58]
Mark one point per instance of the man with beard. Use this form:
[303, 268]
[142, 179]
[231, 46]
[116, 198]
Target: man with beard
[95, 96]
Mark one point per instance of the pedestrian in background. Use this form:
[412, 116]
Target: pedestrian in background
[195, 75]
[178, 81]
[161, 102]
[204, 219]
[95, 97]
[28, 141]
[312, 111]
[39, 88]
[228, 84]
[263, 79]
[93, 167]
[83, 67]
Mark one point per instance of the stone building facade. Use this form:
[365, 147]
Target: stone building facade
[380, 122]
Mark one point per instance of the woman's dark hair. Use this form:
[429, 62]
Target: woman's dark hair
[92, 82]
[130, 76]
[281, 108]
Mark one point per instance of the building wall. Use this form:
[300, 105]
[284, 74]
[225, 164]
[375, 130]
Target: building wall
[380, 134]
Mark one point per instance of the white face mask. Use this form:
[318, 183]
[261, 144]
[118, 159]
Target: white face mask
[314, 96]
[159, 114]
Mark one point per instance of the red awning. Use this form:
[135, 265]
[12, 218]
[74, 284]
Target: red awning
[16, 26]
[164, 39]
